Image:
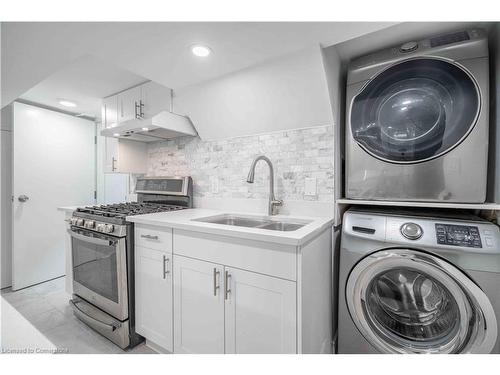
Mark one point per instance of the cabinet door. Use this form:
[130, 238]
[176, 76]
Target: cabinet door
[110, 111]
[155, 98]
[260, 313]
[198, 306]
[110, 155]
[127, 101]
[153, 296]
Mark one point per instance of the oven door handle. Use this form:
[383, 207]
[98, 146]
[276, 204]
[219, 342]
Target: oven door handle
[91, 320]
[97, 241]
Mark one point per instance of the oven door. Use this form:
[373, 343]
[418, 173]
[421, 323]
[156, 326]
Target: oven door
[100, 270]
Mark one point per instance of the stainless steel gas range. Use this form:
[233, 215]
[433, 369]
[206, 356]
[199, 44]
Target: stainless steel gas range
[102, 248]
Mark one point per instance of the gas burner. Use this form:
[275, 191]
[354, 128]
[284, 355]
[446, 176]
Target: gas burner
[121, 210]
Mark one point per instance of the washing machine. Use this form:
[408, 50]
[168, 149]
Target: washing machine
[417, 121]
[418, 282]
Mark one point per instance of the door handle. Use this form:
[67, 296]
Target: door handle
[226, 284]
[216, 284]
[149, 236]
[166, 271]
[113, 160]
[23, 198]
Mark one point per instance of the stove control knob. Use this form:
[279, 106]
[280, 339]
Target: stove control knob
[109, 228]
[73, 220]
[89, 224]
[411, 231]
[100, 227]
[79, 222]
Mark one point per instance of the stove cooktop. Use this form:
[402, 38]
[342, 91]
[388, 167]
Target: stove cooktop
[121, 210]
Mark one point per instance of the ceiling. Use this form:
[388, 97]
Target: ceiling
[49, 59]
[83, 82]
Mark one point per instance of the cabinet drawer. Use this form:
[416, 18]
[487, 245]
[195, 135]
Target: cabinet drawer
[262, 257]
[151, 237]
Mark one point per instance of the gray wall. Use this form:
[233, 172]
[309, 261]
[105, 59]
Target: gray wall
[5, 197]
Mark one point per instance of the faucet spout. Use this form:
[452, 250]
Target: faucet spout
[273, 202]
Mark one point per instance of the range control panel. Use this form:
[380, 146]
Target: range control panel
[458, 235]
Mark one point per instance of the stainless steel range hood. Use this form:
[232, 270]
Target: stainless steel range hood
[164, 125]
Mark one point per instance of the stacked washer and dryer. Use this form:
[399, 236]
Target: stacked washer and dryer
[417, 126]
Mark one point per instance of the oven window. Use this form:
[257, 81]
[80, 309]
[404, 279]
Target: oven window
[95, 267]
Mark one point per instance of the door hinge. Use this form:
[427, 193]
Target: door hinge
[95, 139]
[95, 194]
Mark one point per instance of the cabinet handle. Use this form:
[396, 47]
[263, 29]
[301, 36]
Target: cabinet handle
[226, 283]
[216, 284]
[141, 109]
[166, 271]
[113, 167]
[149, 236]
[137, 110]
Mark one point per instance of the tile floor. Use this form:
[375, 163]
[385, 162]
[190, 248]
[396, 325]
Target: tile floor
[47, 308]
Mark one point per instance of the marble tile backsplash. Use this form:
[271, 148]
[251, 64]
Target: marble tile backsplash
[219, 168]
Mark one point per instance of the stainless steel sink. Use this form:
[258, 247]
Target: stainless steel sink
[255, 222]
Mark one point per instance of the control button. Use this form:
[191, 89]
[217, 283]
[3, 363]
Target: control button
[408, 47]
[411, 231]
[487, 233]
[109, 228]
[488, 241]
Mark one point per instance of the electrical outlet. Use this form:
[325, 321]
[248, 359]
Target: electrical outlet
[214, 184]
[310, 186]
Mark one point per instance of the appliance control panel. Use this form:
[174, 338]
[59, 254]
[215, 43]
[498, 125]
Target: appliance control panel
[458, 235]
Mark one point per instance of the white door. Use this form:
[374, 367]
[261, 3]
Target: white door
[153, 296]
[53, 165]
[127, 102]
[260, 313]
[198, 306]
[155, 98]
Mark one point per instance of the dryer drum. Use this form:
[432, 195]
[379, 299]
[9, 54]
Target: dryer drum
[415, 110]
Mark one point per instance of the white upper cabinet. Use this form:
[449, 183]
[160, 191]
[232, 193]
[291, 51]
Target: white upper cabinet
[110, 111]
[129, 102]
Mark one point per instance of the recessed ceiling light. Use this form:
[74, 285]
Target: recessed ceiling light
[201, 51]
[67, 103]
[116, 134]
[145, 129]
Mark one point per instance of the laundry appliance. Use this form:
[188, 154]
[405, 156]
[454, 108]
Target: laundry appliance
[418, 282]
[417, 121]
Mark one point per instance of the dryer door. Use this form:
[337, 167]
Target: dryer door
[415, 110]
[406, 301]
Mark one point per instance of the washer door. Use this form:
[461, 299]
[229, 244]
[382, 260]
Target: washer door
[415, 110]
[406, 301]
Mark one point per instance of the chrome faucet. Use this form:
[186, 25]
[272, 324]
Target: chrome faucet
[273, 202]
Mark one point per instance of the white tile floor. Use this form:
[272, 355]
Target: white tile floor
[47, 308]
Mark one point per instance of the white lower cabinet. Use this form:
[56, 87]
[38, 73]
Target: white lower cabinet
[198, 306]
[260, 313]
[153, 296]
[219, 309]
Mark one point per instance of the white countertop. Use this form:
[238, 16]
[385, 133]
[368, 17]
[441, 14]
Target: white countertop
[69, 208]
[184, 220]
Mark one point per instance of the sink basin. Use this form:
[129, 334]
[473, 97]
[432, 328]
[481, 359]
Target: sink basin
[265, 222]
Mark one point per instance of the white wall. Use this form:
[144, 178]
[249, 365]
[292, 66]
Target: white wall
[286, 93]
[5, 198]
[336, 90]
